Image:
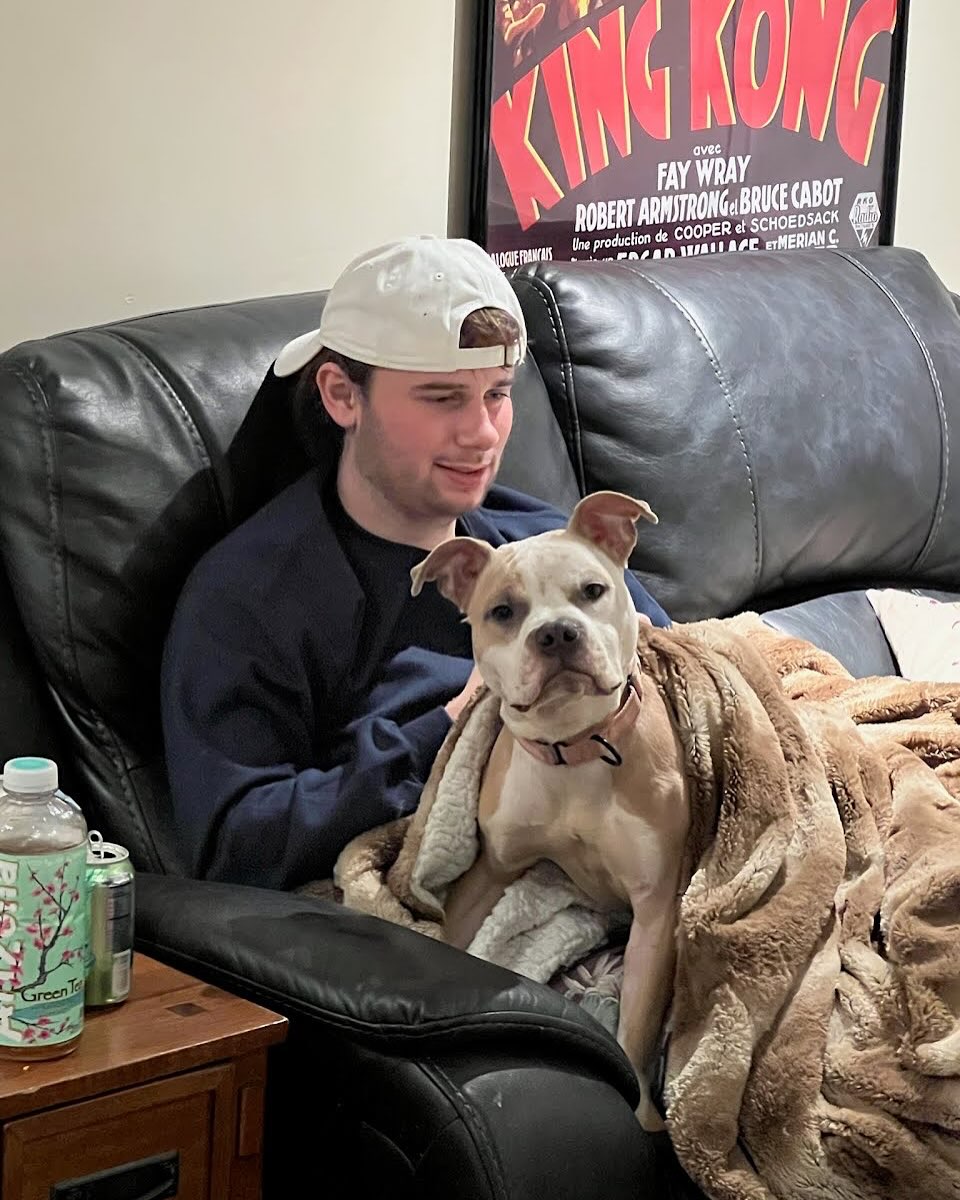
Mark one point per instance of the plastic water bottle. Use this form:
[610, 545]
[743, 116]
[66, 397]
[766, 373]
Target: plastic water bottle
[43, 913]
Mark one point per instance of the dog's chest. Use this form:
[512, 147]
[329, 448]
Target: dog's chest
[580, 818]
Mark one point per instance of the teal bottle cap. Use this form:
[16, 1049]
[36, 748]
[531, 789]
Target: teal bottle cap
[30, 776]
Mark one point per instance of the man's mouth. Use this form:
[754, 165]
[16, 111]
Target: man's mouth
[466, 469]
[465, 475]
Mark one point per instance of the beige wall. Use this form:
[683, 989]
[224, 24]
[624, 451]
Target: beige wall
[929, 194]
[144, 166]
[158, 155]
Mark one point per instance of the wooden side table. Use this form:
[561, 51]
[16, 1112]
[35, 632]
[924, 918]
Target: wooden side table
[162, 1097]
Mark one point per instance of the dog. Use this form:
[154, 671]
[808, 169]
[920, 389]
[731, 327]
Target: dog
[586, 769]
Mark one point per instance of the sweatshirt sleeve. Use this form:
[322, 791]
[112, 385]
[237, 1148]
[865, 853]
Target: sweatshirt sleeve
[643, 602]
[250, 802]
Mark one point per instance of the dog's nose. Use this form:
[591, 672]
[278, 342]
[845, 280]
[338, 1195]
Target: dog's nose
[557, 636]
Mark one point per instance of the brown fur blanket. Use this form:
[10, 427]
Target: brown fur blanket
[814, 1047]
[815, 1044]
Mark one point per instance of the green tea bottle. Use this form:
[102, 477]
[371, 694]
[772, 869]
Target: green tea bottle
[43, 917]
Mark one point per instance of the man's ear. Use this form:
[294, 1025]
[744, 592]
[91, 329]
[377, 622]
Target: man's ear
[337, 394]
[456, 566]
[609, 520]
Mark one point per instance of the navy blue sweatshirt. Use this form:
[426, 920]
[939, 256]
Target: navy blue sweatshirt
[297, 711]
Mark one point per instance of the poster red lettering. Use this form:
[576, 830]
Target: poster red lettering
[637, 129]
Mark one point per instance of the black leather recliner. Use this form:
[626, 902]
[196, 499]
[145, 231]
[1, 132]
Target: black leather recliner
[792, 418]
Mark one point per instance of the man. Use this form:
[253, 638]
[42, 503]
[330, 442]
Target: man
[305, 692]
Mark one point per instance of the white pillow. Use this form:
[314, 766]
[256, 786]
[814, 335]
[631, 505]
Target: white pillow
[924, 634]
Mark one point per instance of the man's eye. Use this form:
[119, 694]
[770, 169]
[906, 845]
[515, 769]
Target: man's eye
[500, 613]
[593, 591]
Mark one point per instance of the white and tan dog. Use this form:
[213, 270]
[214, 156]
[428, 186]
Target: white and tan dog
[586, 770]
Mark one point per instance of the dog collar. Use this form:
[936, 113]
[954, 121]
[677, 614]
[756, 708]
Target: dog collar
[599, 741]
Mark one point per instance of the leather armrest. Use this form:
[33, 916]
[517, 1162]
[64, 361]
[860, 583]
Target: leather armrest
[417, 1068]
[380, 985]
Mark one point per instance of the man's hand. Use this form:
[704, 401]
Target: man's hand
[459, 703]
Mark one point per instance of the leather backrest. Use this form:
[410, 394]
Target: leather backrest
[29, 723]
[793, 419]
[127, 451]
[126, 454]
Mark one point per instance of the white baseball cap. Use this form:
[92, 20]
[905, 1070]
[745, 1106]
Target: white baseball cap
[402, 305]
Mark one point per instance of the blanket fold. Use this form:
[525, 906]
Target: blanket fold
[814, 1037]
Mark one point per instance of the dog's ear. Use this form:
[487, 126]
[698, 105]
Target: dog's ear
[609, 520]
[455, 565]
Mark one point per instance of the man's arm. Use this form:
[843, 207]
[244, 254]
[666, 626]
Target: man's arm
[239, 719]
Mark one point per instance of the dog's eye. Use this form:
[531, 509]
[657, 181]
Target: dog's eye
[593, 591]
[500, 613]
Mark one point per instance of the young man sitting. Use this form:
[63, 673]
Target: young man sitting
[305, 691]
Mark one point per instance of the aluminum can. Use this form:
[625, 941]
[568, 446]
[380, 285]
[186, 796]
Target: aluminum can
[110, 902]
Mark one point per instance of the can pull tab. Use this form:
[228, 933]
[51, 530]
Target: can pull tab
[95, 841]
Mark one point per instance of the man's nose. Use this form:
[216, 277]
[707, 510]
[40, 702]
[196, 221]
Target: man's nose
[477, 427]
[556, 638]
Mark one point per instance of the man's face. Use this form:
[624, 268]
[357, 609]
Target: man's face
[430, 444]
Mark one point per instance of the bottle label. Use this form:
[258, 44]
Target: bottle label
[43, 931]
